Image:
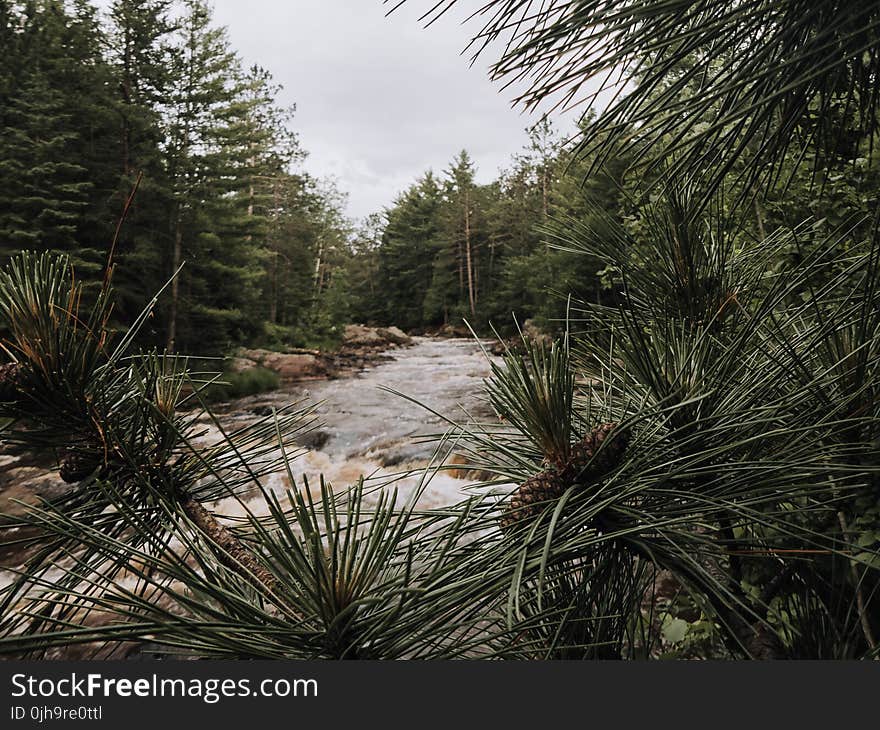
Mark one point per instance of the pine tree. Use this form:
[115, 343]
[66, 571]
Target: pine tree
[290, 245]
[459, 228]
[139, 50]
[50, 164]
[363, 272]
[208, 151]
[407, 255]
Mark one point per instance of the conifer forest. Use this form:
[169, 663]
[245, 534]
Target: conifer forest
[616, 399]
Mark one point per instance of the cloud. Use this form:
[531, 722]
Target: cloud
[379, 100]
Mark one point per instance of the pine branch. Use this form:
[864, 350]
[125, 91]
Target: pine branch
[235, 555]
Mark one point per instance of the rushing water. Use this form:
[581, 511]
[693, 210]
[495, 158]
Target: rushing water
[365, 429]
[362, 429]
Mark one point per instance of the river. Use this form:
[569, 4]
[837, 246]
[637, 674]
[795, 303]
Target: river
[363, 428]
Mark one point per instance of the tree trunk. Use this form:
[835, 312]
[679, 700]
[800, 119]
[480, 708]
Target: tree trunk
[460, 260]
[273, 296]
[176, 256]
[472, 293]
[317, 276]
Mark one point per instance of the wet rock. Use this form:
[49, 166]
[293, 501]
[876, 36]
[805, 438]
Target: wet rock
[501, 347]
[532, 332]
[462, 469]
[452, 330]
[26, 480]
[313, 440]
[361, 345]
[28, 486]
[405, 454]
[290, 366]
[358, 335]
[394, 335]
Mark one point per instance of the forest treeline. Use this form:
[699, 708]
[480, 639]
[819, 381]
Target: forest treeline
[152, 90]
[90, 101]
[692, 472]
[450, 249]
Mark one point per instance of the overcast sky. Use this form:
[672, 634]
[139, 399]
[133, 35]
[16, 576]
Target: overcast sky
[379, 100]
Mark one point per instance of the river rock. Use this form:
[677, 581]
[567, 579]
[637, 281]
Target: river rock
[532, 332]
[358, 335]
[501, 347]
[295, 367]
[453, 330]
[25, 486]
[290, 366]
[240, 364]
[313, 440]
[403, 454]
[394, 335]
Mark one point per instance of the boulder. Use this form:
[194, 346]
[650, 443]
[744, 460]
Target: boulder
[240, 364]
[452, 330]
[297, 366]
[394, 335]
[500, 347]
[532, 332]
[358, 335]
[313, 440]
[254, 357]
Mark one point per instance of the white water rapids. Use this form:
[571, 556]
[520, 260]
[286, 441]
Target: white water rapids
[364, 429]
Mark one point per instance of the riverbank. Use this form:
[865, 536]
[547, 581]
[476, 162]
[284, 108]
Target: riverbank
[360, 347]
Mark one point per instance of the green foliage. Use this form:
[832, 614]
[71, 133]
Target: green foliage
[240, 384]
[739, 346]
[533, 390]
[89, 103]
[120, 413]
[453, 249]
[754, 436]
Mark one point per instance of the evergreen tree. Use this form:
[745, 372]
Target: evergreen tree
[53, 112]
[363, 270]
[459, 235]
[290, 241]
[407, 256]
[158, 96]
[139, 50]
[208, 149]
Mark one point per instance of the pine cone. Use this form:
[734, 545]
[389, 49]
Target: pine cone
[10, 380]
[587, 462]
[76, 466]
[531, 497]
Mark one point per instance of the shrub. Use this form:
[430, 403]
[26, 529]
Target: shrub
[238, 385]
